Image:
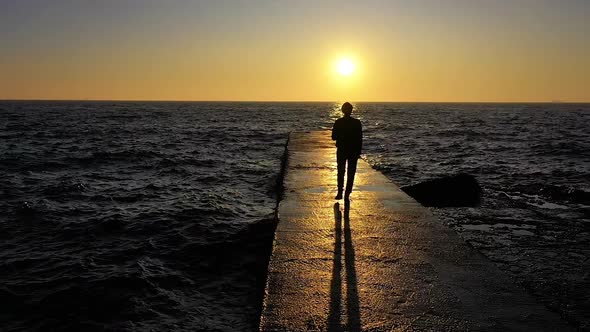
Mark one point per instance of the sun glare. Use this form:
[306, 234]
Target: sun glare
[345, 67]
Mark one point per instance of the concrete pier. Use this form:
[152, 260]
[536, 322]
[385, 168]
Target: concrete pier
[380, 263]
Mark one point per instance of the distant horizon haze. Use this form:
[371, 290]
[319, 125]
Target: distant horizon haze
[296, 101]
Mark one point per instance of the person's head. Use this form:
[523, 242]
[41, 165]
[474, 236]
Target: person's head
[347, 108]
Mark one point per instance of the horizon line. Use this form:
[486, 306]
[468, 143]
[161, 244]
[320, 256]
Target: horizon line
[298, 101]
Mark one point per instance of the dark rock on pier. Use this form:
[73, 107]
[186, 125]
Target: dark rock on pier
[452, 191]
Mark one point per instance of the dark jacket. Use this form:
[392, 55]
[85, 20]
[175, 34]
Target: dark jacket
[348, 134]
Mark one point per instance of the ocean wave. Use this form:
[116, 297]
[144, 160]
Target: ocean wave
[160, 216]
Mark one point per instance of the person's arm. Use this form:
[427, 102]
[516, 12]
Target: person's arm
[335, 131]
[360, 139]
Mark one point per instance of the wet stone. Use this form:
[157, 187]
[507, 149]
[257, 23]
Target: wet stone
[381, 262]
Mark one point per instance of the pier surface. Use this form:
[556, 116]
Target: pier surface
[381, 262]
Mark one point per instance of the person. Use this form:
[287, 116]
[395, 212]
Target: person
[348, 134]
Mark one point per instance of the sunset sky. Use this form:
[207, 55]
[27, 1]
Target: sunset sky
[418, 50]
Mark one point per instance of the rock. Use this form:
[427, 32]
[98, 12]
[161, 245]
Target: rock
[452, 191]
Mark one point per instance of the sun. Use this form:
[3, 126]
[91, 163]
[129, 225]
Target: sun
[345, 67]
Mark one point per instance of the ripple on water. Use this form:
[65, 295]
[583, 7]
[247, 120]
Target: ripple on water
[138, 216]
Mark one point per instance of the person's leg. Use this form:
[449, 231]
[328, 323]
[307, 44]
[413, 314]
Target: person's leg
[350, 176]
[341, 161]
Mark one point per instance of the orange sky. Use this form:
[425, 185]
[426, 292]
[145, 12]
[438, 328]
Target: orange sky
[461, 50]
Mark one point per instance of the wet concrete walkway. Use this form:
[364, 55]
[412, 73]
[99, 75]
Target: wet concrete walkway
[380, 263]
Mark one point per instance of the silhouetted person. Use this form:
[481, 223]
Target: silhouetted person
[348, 134]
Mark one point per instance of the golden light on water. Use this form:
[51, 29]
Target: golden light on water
[345, 67]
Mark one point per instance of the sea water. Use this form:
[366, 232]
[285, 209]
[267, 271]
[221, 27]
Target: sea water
[160, 215]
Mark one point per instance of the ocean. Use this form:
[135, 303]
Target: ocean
[135, 216]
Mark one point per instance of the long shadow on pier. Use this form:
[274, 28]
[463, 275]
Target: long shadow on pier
[352, 299]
